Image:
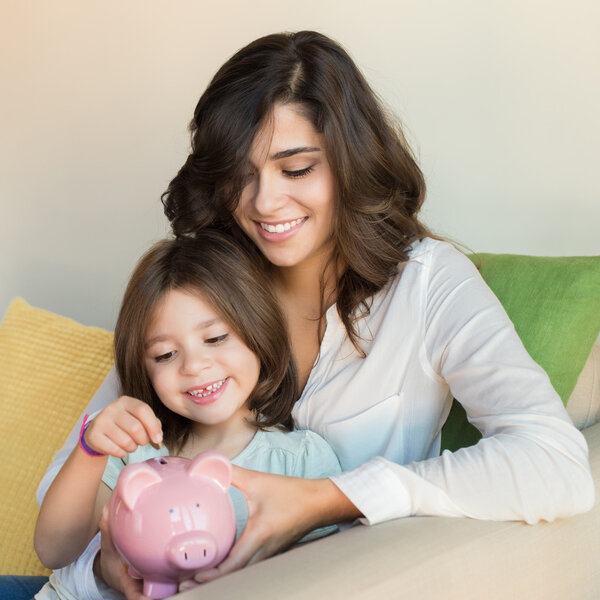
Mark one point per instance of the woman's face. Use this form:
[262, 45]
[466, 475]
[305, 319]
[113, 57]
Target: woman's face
[287, 206]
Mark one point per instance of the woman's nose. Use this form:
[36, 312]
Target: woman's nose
[268, 195]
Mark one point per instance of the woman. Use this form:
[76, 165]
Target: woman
[291, 151]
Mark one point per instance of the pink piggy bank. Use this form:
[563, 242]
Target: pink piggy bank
[171, 516]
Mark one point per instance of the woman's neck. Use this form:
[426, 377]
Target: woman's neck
[305, 291]
[307, 288]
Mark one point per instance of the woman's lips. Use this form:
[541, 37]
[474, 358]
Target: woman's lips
[280, 231]
[207, 394]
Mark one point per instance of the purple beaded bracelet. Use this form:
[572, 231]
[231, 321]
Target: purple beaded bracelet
[89, 451]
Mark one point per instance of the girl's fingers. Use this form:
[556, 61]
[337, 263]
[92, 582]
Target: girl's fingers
[123, 426]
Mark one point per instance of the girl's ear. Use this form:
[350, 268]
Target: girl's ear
[214, 465]
[133, 480]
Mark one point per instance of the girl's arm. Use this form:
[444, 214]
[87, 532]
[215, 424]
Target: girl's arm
[108, 392]
[71, 509]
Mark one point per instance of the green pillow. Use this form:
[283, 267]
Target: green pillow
[554, 303]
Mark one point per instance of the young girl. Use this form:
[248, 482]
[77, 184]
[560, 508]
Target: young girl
[204, 362]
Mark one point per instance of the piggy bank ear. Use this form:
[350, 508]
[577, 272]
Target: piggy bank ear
[214, 465]
[133, 480]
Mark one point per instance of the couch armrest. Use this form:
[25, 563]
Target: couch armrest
[424, 557]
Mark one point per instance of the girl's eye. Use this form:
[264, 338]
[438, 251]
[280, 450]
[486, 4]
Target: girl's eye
[217, 339]
[164, 357]
[298, 173]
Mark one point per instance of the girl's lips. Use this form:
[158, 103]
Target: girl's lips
[202, 395]
[280, 231]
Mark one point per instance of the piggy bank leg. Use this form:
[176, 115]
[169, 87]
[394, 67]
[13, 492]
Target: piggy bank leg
[159, 589]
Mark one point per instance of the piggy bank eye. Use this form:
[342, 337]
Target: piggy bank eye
[171, 510]
[197, 506]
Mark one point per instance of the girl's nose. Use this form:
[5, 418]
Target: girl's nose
[194, 362]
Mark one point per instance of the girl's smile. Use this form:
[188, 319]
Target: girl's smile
[198, 366]
[206, 394]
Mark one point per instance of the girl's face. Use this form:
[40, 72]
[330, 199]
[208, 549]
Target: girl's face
[287, 206]
[198, 366]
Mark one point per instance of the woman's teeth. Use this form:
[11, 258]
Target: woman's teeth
[281, 227]
[209, 389]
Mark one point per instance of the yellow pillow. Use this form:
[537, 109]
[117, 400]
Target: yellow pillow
[50, 368]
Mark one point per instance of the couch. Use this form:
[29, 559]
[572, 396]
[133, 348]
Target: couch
[51, 366]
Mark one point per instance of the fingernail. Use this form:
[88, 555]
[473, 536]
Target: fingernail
[187, 585]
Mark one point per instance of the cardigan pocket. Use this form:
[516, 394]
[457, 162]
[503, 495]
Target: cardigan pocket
[376, 431]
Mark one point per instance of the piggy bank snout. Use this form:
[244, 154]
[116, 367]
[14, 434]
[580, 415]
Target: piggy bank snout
[192, 550]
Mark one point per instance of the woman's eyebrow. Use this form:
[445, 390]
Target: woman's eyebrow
[293, 151]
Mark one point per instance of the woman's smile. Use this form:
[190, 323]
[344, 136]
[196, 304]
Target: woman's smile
[280, 231]
[287, 206]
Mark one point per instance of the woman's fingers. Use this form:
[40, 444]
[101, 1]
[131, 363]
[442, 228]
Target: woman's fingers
[113, 569]
[276, 519]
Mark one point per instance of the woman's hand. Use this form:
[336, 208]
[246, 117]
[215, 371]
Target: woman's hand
[281, 510]
[122, 426]
[111, 568]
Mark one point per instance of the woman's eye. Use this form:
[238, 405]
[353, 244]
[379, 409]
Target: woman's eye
[298, 173]
[164, 357]
[217, 339]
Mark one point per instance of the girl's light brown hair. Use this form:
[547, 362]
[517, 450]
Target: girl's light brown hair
[229, 278]
[380, 186]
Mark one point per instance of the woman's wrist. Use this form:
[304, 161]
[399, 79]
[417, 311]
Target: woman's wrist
[330, 503]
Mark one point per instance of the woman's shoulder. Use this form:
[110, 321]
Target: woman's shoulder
[433, 248]
[437, 256]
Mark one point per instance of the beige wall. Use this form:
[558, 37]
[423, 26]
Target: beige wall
[500, 99]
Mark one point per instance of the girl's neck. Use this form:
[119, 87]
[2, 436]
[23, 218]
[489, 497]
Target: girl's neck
[224, 438]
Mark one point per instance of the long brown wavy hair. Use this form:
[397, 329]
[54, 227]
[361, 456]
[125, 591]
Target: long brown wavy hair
[380, 186]
[230, 279]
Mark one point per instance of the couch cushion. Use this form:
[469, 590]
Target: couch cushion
[554, 303]
[584, 403]
[51, 367]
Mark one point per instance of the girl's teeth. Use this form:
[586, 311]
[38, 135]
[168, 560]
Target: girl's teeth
[209, 389]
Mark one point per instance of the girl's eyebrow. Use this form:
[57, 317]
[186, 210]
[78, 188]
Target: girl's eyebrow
[161, 338]
[293, 151]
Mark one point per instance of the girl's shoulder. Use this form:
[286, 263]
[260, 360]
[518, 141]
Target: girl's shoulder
[300, 452]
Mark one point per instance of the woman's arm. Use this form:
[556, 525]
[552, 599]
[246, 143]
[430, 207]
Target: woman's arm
[281, 510]
[531, 464]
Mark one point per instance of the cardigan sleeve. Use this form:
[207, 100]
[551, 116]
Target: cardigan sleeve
[530, 465]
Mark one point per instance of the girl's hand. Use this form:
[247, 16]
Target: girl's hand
[122, 426]
[111, 567]
[281, 510]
